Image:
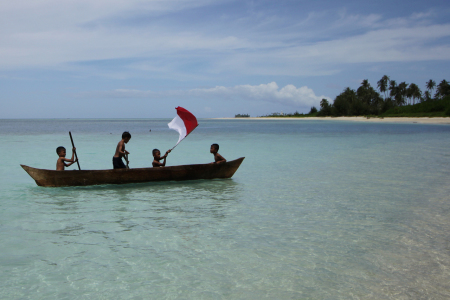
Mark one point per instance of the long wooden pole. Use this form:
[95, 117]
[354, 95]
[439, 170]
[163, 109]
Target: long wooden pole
[73, 146]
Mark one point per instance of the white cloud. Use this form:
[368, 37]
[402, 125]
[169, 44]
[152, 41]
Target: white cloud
[51, 34]
[48, 33]
[352, 21]
[288, 95]
[270, 92]
[385, 45]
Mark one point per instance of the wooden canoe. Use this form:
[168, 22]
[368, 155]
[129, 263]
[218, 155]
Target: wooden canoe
[120, 176]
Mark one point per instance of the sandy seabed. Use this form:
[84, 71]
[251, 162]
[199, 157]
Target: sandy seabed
[360, 119]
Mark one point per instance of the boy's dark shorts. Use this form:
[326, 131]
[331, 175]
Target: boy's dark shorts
[118, 163]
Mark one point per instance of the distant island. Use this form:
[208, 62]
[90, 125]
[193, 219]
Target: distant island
[398, 100]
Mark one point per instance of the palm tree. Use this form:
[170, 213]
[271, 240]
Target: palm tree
[427, 96]
[363, 92]
[382, 85]
[414, 92]
[408, 95]
[443, 89]
[393, 89]
[401, 93]
[365, 83]
[430, 86]
[324, 103]
[376, 101]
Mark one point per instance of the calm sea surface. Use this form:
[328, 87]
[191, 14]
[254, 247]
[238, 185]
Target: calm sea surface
[317, 210]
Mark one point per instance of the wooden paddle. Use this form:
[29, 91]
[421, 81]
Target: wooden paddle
[73, 146]
[126, 158]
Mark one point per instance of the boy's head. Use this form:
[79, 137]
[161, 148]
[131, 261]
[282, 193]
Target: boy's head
[126, 136]
[156, 152]
[61, 151]
[214, 148]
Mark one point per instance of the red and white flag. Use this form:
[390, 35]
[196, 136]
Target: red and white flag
[184, 123]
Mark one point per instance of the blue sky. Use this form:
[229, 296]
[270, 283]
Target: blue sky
[141, 59]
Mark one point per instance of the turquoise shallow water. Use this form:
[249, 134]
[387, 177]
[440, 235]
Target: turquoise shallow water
[317, 210]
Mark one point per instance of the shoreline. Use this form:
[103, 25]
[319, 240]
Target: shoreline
[424, 120]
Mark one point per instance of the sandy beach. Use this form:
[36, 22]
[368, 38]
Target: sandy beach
[360, 119]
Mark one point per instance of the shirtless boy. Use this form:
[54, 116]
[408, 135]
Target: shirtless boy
[218, 159]
[157, 157]
[121, 152]
[61, 162]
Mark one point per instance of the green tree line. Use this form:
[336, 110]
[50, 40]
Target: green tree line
[388, 98]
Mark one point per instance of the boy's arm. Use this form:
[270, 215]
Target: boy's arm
[158, 164]
[167, 153]
[63, 160]
[119, 151]
[219, 159]
[164, 162]
[73, 152]
[71, 162]
[124, 150]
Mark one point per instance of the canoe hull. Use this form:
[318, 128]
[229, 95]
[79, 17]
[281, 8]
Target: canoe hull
[53, 178]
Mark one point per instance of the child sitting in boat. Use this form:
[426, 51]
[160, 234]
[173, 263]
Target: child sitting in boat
[121, 152]
[61, 162]
[218, 159]
[157, 157]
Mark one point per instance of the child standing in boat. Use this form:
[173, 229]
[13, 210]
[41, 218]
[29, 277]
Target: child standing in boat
[61, 162]
[157, 157]
[121, 152]
[218, 159]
